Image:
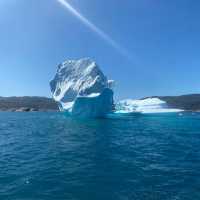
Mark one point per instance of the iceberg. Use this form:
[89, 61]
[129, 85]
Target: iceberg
[148, 105]
[81, 89]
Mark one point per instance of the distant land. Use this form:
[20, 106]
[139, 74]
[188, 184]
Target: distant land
[189, 102]
[27, 103]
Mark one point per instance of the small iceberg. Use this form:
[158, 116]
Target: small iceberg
[81, 89]
[148, 105]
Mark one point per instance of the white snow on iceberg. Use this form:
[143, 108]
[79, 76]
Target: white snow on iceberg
[81, 89]
[148, 105]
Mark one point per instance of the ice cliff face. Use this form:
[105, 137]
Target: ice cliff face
[82, 89]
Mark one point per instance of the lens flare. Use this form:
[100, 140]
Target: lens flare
[95, 29]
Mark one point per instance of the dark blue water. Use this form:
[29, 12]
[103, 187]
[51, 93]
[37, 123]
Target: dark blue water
[47, 156]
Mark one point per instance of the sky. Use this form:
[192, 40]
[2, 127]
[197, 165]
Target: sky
[149, 47]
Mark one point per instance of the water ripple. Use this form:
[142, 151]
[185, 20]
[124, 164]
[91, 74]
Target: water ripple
[47, 156]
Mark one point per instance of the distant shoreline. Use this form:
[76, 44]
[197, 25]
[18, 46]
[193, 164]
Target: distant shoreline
[29, 110]
[189, 103]
[27, 104]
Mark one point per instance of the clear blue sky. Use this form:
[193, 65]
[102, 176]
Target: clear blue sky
[162, 37]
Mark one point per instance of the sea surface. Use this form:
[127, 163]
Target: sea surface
[48, 156]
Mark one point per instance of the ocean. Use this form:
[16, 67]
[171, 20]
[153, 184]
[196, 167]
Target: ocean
[48, 156]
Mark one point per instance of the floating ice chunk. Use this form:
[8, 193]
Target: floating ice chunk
[148, 105]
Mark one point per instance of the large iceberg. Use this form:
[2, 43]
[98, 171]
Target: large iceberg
[81, 89]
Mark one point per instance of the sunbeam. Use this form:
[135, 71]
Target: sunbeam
[96, 29]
